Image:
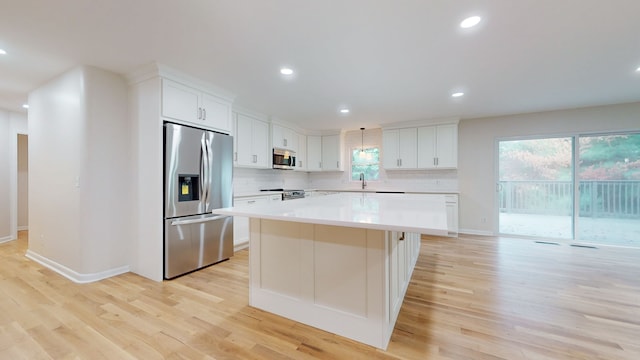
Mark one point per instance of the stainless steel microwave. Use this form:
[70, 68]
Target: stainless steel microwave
[284, 159]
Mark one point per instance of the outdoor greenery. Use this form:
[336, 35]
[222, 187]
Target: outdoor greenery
[613, 157]
[609, 157]
[536, 175]
[367, 162]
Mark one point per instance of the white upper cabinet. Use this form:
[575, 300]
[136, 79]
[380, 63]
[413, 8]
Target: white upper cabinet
[438, 147]
[301, 153]
[251, 142]
[314, 153]
[400, 149]
[332, 153]
[194, 106]
[284, 138]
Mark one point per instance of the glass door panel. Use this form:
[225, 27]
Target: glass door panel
[535, 188]
[609, 188]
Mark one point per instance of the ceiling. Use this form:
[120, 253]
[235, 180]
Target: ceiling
[387, 60]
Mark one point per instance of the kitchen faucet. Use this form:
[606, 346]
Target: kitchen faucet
[364, 183]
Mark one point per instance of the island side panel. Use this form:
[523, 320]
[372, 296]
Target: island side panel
[340, 283]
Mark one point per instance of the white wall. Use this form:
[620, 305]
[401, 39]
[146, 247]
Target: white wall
[406, 180]
[477, 163]
[79, 175]
[147, 251]
[5, 202]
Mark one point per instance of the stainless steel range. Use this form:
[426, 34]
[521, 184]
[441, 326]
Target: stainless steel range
[289, 194]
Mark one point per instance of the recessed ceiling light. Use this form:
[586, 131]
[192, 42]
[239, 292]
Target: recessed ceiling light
[3, 52]
[286, 71]
[470, 22]
[638, 69]
[457, 94]
[26, 106]
[344, 111]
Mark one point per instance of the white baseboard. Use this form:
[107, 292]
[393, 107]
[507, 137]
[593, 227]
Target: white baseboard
[72, 275]
[241, 245]
[6, 239]
[23, 228]
[475, 232]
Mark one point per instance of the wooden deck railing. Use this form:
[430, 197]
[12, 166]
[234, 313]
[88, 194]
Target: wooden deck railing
[598, 198]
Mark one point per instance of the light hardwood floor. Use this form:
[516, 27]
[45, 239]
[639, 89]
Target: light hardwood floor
[469, 298]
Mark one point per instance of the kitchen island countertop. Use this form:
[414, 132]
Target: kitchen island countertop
[422, 213]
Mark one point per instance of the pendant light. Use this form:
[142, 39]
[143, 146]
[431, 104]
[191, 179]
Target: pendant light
[362, 154]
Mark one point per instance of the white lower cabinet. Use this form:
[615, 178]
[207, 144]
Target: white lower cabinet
[404, 248]
[451, 202]
[241, 223]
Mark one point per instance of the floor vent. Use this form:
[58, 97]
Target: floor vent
[584, 246]
[547, 243]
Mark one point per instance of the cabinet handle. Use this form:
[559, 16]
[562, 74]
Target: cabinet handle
[204, 114]
[284, 141]
[319, 164]
[400, 162]
[235, 156]
[401, 236]
[199, 113]
[434, 161]
[338, 164]
[437, 161]
[300, 162]
[255, 158]
[251, 201]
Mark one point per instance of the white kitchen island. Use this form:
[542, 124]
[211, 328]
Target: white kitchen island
[341, 262]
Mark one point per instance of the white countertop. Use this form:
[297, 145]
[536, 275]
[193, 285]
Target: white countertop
[422, 213]
[386, 190]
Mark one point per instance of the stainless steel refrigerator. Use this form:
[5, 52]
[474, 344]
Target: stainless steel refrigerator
[198, 168]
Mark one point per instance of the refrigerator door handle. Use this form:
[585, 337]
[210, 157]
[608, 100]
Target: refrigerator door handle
[204, 172]
[197, 221]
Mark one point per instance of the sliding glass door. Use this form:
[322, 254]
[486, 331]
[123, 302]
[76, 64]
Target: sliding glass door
[609, 189]
[536, 188]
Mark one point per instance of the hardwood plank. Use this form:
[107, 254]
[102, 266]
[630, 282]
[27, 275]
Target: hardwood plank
[469, 298]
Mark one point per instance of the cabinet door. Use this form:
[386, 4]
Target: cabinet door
[277, 136]
[390, 155]
[427, 147]
[331, 153]
[301, 153]
[216, 113]
[179, 102]
[314, 153]
[241, 223]
[407, 148]
[284, 138]
[397, 272]
[451, 202]
[244, 140]
[447, 146]
[260, 144]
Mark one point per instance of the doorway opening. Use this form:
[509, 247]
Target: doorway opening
[23, 182]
